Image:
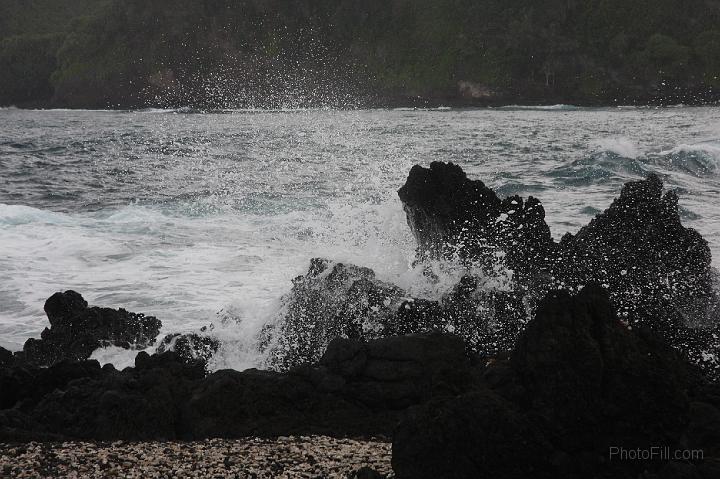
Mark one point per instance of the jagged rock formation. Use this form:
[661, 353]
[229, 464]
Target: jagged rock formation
[657, 272]
[77, 330]
[578, 382]
[336, 300]
[452, 216]
[654, 267]
[332, 300]
[599, 366]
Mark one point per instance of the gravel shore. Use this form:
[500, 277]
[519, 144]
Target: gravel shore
[284, 457]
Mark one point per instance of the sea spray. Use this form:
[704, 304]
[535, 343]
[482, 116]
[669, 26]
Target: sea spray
[185, 215]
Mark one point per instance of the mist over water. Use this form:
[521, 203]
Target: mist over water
[200, 218]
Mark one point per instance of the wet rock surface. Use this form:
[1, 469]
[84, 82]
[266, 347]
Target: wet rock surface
[332, 300]
[655, 268]
[343, 300]
[452, 216]
[77, 330]
[190, 347]
[657, 271]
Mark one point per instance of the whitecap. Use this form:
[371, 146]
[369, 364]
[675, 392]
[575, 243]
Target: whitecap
[621, 146]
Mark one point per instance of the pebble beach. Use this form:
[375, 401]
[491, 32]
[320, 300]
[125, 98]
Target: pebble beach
[312, 457]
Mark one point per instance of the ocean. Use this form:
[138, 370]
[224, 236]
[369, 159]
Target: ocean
[205, 218]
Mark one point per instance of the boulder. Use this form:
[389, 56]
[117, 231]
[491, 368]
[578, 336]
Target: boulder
[24, 385]
[597, 383]
[332, 300]
[452, 216]
[657, 270]
[77, 330]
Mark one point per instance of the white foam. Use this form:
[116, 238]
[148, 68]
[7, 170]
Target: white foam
[184, 269]
[709, 149]
[13, 215]
[118, 357]
[278, 189]
[621, 146]
[557, 107]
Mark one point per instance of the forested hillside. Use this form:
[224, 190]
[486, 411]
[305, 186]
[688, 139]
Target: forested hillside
[260, 53]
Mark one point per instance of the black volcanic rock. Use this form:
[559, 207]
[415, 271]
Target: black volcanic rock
[578, 382]
[486, 318]
[23, 385]
[473, 435]
[18, 427]
[597, 383]
[137, 403]
[358, 388]
[396, 372]
[76, 330]
[62, 306]
[655, 268]
[657, 271]
[190, 347]
[452, 216]
[6, 357]
[332, 300]
[336, 300]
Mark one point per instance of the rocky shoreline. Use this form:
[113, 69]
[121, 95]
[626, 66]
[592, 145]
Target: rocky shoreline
[606, 339]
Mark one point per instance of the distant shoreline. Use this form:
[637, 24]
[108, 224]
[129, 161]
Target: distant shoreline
[429, 105]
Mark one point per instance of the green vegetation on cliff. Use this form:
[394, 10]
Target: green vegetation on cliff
[232, 53]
